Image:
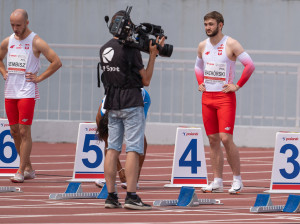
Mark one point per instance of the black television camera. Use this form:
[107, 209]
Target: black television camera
[138, 36]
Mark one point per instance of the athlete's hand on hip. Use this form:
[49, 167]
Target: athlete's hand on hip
[202, 87]
[227, 88]
[31, 77]
[5, 76]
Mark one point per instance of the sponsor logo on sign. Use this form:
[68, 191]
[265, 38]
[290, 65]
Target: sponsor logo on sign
[190, 133]
[290, 139]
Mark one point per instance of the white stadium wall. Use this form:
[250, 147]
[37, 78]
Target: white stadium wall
[157, 133]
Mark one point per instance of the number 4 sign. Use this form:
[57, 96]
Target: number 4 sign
[9, 158]
[285, 173]
[189, 166]
[89, 158]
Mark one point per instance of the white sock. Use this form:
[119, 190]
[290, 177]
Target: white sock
[237, 178]
[218, 180]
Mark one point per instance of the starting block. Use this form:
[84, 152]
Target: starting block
[293, 204]
[263, 204]
[188, 198]
[74, 191]
[10, 189]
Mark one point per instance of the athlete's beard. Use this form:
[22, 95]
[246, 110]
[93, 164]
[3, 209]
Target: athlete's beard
[22, 32]
[214, 33]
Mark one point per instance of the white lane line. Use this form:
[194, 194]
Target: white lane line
[56, 155]
[52, 163]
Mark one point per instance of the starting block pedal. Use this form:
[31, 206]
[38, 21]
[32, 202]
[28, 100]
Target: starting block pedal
[263, 204]
[188, 198]
[293, 204]
[10, 189]
[74, 191]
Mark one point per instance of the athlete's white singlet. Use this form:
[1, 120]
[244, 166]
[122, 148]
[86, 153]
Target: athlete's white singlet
[218, 68]
[20, 60]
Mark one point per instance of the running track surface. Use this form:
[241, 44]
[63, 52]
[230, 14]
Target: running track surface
[54, 166]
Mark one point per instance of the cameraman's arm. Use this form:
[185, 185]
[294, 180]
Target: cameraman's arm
[148, 72]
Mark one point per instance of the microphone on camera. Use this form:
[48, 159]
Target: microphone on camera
[106, 18]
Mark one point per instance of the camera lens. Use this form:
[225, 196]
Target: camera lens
[166, 51]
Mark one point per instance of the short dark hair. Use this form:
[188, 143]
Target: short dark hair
[214, 15]
[102, 127]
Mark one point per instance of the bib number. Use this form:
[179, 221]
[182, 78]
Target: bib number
[17, 63]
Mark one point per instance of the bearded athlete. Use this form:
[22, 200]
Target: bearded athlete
[23, 49]
[215, 70]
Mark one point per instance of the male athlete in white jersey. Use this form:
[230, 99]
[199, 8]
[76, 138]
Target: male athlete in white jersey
[215, 70]
[23, 49]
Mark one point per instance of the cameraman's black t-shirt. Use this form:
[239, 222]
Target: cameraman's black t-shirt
[114, 63]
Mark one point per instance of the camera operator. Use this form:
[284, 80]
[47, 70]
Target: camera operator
[123, 76]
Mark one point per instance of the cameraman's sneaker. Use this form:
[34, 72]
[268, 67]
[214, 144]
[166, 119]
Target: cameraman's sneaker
[111, 202]
[18, 178]
[213, 188]
[236, 187]
[136, 204]
[29, 175]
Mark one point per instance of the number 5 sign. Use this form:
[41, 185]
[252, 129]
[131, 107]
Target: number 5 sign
[189, 166]
[286, 164]
[89, 158]
[9, 158]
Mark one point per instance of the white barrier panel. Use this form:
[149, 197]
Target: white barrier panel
[9, 158]
[286, 164]
[89, 158]
[189, 165]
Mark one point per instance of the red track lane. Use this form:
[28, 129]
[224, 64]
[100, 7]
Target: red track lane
[54, 165]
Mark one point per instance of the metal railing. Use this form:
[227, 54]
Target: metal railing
[271, 97]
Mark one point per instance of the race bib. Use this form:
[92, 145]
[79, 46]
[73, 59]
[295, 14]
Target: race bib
[17, 63]
[214, 76]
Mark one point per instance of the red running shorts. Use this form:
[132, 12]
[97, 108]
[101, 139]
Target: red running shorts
[20, 111]
[218, 112]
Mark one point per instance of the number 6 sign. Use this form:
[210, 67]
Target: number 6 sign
[89, 158]
[286, 164]
[189, 166]
[9, 158]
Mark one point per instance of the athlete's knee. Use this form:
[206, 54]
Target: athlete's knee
[14, 131]
[226, 139]
[214, 139]
[25, 132]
